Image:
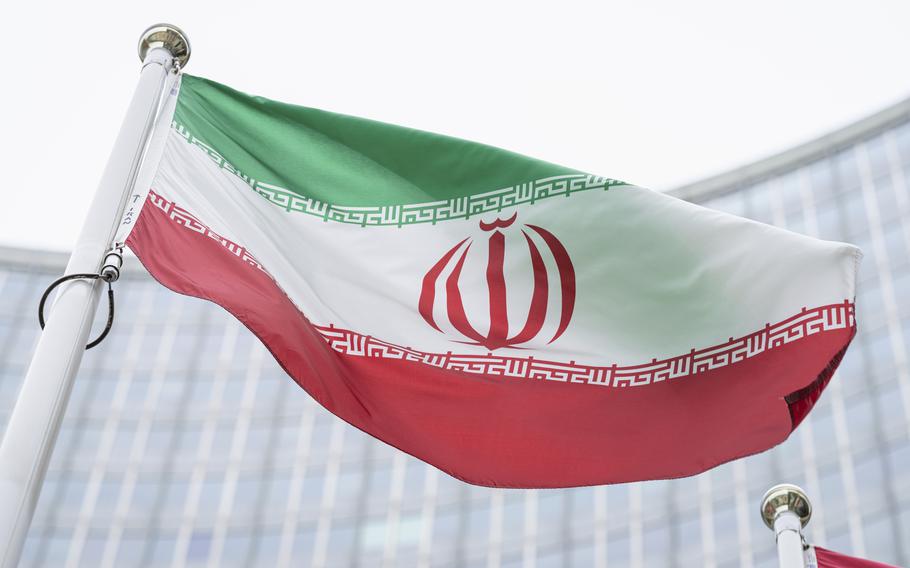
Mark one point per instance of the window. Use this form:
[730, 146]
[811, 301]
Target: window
[175, 495]
[898, 254]
[302, 549]
[311, 496]
[788, 190]
[870, 483]
[861, 421]
[550, 558]
[877, 156]
[821, 180]
[847, 172]
[854, 207]
[619, 552]
[162, 552]
[414, 480]
[551, 519]
[656, 541]
[349, 485]
[374, 534]
[726, 528]
[828, 221]
[248, 494]
[760, 204]
[409, 528]
[92, 549]
[832, 495]
[732, 203]
[210, 494]
[891, 414]
[879, 354]
[870, 306]
[445, 529]
[886, 196]
[268, 545]
[236, 546]
[478, 524]
[582, 507]
[341, 543]
[129, 553]
[380, 485]
[822, 429]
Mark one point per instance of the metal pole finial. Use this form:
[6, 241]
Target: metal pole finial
[785, 498]
[166, 36]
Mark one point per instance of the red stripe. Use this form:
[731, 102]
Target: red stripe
[495, 430]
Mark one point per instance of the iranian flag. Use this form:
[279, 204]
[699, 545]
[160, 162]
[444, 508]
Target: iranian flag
[513, 322]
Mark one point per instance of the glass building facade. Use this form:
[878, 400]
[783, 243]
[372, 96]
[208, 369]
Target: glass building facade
[184, 444]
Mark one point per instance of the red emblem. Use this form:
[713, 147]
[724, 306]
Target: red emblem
[498, 334]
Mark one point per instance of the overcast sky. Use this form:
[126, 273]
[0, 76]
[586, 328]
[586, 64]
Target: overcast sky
[654, 93]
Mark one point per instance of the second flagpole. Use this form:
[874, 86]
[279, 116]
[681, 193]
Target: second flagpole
[786, 510]
[35, 420]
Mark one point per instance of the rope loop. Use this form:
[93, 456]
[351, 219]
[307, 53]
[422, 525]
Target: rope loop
[105, 276]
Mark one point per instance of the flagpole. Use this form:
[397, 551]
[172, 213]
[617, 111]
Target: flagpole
[35, 420]
[786, 510]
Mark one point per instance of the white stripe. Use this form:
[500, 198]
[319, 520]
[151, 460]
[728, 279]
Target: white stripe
[657, 277]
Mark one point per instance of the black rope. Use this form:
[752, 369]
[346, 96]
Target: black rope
[110, 302]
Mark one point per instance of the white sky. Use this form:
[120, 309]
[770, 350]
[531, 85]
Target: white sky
[655, 93]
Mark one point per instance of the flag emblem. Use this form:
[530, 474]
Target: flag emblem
[497, 335]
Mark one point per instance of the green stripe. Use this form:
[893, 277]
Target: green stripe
[409, 213]
[332, 161]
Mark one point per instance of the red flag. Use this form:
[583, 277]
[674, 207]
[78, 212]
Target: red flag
[830, 559]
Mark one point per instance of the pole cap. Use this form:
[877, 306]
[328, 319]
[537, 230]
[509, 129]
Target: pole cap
[166, 36]
[783, 498]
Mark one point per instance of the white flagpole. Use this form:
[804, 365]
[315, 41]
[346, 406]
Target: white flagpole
[35, 420]
[786, 510]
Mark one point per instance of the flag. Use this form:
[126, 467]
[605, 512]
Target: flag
[830, 559]
[513, 322]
